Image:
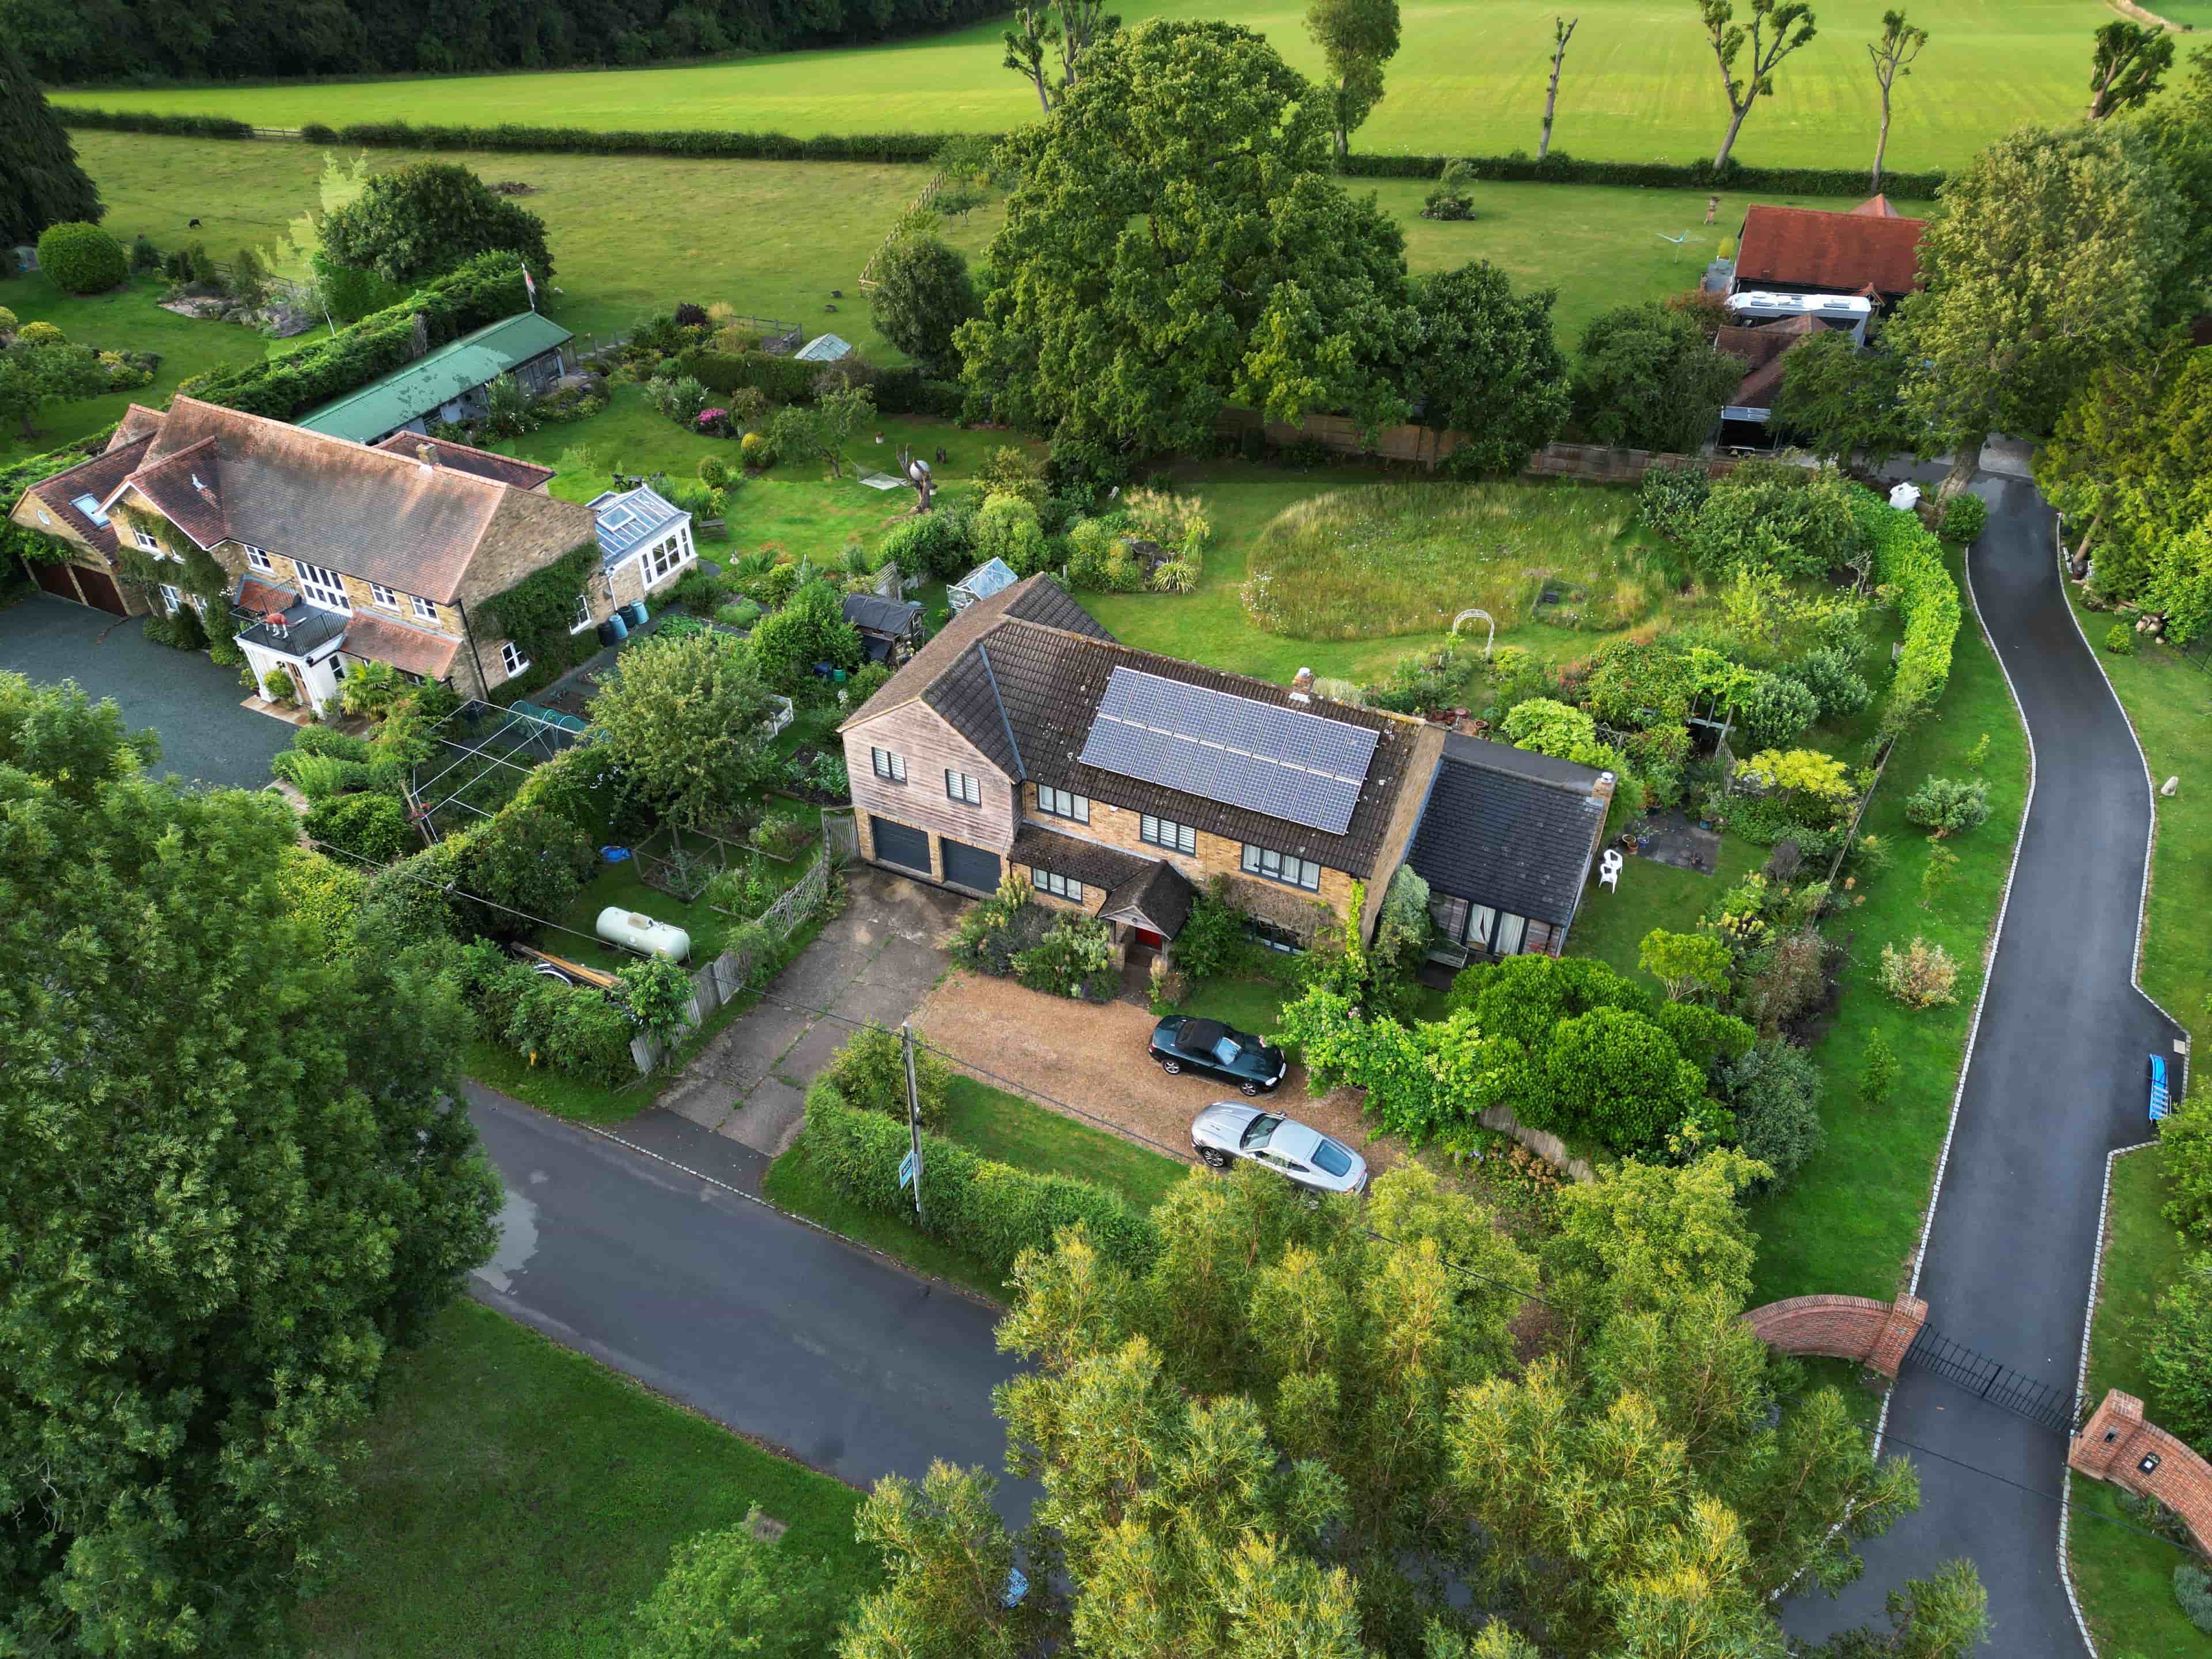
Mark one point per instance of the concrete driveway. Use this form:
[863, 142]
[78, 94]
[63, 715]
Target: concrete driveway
[206, 735]
[873, 961]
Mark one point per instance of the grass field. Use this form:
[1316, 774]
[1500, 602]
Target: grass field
[518, 1501]
[1640, 84]
[1394, 558]
[2124, 1578]
[1848, 1224]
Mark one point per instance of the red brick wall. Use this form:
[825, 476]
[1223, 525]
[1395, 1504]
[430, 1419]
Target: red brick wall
[2114, 1446]
[1875, 1334]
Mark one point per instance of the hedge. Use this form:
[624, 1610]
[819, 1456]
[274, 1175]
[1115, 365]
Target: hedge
[485, 289]
[1909, 559]
[1558, 169]
[991, 1210]
[784, 379]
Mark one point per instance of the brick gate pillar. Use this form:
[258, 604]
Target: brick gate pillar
[1906, 1315]
[2104, 1439]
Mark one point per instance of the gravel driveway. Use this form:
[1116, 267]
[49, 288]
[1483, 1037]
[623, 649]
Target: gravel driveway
[1092, 1057]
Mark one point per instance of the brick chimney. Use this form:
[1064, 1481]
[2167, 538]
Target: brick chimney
[1603, 789]
[1302, 685]
[426, 456]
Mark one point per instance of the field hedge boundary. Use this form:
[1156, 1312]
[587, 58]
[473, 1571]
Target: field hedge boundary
[990, 1211]
[901, 391]
[1909, 557]
[906, 146]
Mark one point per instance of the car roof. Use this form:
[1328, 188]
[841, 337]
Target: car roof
[1294, 1139]
[1201, 1033]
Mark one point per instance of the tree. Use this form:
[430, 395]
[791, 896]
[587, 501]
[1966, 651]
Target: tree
[422, 219]
[1791, 25]
[33, 374]
[40, 182]
[1489, 364]
[2127, 67]
[947, 1560]
[1945, 1617]
[1648, 378]
[810, 628]
[1802, 772]
[1774, 1090]
[922, 292]
[523, 864]
[2178, 1360]
[685, 720]
[1892, 56]
[1033, 33]
[1878, 1072]
[657, 995]
[1356, 38]
[1838, 401]
[203, 1288]
[823, 428]
[1082, 24]
[731, 1595]
[2013, 322]
[1563, 30]
[1174, 241]
[1614, 1074]
[1686, 963]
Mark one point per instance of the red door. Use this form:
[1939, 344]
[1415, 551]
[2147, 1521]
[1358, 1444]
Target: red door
[54, 579]
[101, 590]
[1146, 936]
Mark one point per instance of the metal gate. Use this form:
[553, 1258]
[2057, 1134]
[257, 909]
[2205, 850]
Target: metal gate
[1983, 1377]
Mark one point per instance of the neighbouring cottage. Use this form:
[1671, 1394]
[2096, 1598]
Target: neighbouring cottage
[1118, 782]
[335, 553]
[449, 384]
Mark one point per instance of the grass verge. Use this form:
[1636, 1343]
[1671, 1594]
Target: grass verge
[2123, 1577]
[795, 1184]
[479, 1532]
[1848, 1222]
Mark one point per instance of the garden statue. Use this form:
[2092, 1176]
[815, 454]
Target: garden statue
[915, 472]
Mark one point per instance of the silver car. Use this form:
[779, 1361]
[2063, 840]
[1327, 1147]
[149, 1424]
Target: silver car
[1228, 1130]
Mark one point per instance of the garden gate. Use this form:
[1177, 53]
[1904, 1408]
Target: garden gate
[1982, 1376]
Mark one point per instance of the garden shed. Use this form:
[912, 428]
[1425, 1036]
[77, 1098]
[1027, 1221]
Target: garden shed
[888, 627]
[992, 577]
[824, 349]
[448, 384]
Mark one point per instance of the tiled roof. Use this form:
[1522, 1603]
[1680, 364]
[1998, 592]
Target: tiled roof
[370, 513]
[418, 652]
[1806, 247]
[1509, 828]
[1020, 675]
[261, 597]
[97, 478]
[1161, 895]
[1090, 862]
[437, 378]
[499, 469]
[1761, 350]
[1877, 207]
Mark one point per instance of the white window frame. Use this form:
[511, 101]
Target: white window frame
[257, 558]
[1061, 803]
[146, 542]
[1058, 886]
[963, 788]
[1167, 835]
[384, 596]
[172, 599]
[1288, 872]
[666, 558]
[888, 766]
[425, 610]
[323, 587]
[583, 614]
[511, 658]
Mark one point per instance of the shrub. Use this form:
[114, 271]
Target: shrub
[1009, 528]
[936, 543]
[1098, 559]
[737, 613]
[1670, 497]
[81, 258]
[1446, 203]
[327, 740]
[38, 334]
[372, 827]
[1922, 975]
[681, 399]
[714, 472]
[2178, 1360]
[1832, 675]
[1950, 806]
[1213, 937]
[1878, 1072]
[2120, 640]
[1070, 959]
[757, 451]
[687, 315]
[1782, 978]
[988, 1210]
[144, 256]
[1774, 1091]
[2192, 1589]
[1771, 710]
[869, 1074]
[866, 684]
[576, 1029]
[1964, 518]
[2185, 1139]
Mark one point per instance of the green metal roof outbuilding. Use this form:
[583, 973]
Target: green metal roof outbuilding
[437, 378]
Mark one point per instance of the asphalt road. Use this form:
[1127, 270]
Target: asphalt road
[784, 1333]
[2054, 1081]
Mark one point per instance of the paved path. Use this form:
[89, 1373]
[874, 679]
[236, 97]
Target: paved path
[780, 1331]
[2054, 1081]
[193, 704]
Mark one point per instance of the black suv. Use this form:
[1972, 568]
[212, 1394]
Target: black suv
[1182, 1044]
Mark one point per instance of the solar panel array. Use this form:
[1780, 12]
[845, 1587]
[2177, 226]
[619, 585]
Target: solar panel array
[1302, 769]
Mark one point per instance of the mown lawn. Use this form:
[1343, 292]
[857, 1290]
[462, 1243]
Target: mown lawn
[1849, 1222]
[1639, 85]
[2125, 1579]
[2170, 702]
[518, 1501]
[1612, 922]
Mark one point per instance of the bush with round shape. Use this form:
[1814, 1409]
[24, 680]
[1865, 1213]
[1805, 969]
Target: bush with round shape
[82, 258]
[372, 827]
[1833, 676]
[757, 452]
[1775, 1092]
[1008, 528]
[1921, 976]
[1964, 518]
[40, 333]
[7, 323]
[714, 472]
[1950, 806]
[2120, 640]
[1771, 710]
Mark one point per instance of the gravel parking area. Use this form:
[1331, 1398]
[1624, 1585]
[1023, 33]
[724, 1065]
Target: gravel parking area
[1093, 1058]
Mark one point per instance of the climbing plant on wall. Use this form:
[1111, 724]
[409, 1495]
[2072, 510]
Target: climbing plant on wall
[537, 613]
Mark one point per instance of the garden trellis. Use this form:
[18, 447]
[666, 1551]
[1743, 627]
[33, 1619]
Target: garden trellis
[483, 753]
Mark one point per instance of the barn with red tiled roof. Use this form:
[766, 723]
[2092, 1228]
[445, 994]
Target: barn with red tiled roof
[1870, 251]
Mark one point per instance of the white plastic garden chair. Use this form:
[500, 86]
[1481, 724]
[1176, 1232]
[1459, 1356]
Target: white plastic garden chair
[1608, 869]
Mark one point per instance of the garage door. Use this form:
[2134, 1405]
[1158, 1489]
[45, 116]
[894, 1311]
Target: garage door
[54, 579]
[101, 592]
[970, 867]
[901, 844]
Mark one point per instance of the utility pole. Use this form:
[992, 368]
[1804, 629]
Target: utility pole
[913, 1117]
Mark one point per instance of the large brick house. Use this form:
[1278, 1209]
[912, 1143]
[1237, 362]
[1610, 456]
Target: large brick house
[338, 553]
[1119, 781]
